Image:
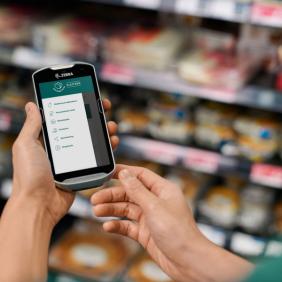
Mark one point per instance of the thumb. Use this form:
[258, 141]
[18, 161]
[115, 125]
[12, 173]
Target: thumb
[135, 189]
[32, 126]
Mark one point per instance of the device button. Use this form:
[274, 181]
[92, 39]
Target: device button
[42, 115]
[100, 107]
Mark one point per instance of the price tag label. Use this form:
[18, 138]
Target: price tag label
[5, 120]
[268, 175]
[162, 153]
[267, 13]
[6, 188]
[148, 4]
[225, 9]
[118, 74]
[29, 58]
[187, 6]
[202, 160]
[246, 244]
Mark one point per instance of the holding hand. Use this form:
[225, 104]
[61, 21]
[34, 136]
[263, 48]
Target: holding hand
[33, 179]
[160, 220]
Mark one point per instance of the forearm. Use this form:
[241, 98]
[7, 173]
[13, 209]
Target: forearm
[208, 262]
[24, 240]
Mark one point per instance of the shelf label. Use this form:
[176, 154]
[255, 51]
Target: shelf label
[187, 6]
[118, 74]
[29, 58]
[148, 4]
[268, 175]
[269, 14]
[225, 9]
[6, 188]
[162, 153]
[203, 161]
[5, 120]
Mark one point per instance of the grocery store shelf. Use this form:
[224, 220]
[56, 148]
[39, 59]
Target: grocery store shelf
[261, 13]
[167, 81]
[199, 160]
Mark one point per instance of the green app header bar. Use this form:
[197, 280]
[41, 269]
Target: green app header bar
[66, 87]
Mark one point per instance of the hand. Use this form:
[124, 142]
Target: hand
[158, 216]
[160, 220]
[33, 180]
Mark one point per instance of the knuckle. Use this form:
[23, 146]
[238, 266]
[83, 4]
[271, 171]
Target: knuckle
[127, 210]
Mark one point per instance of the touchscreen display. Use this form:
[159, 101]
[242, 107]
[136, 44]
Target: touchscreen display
[73, 124]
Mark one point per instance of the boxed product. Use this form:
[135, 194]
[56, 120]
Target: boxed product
[87, 251]
[144, 269]
[214, 125]
[258, 136]
[16, 24]
[132, 120]
[149, 47]
[221, 205]
[216, 61]
[256, 208]
[170, 121]
[68, 36]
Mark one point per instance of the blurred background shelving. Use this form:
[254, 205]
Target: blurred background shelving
[196, 88]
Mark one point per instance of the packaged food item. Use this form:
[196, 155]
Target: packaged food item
[68, 36]
[255, 211]
[220, 206]
[258, 135]
[257, 150]
[214, 125]
[214, 61]
[16, 24]
[132, 120]
[149, 47]
[170, 121]
[144, 269]
[213, 69]
[87, 251]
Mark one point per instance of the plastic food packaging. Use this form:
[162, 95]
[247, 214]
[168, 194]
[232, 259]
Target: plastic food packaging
[214, 61]
[214, 125]
[220, 206]
[255, 211]
[144, 269]
[153, 48]
[132, 120]
[258, 136]
[68, 36]
[88, 252]
[170, 122]
[16, 24]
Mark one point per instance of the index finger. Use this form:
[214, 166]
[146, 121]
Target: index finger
[109, 195]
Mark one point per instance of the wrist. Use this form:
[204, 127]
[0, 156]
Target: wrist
[34, 211]
[205, 260]
[197, 249]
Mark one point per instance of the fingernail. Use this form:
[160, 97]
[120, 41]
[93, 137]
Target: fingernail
[125, 174]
